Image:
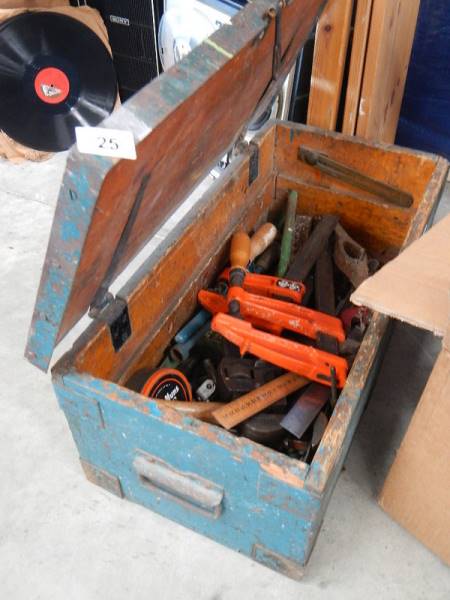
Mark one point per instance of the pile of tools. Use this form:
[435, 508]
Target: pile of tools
[270, 349]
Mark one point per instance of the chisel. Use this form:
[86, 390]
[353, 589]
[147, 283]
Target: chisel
[306, 409]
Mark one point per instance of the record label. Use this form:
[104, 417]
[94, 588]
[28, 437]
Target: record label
[52, 85]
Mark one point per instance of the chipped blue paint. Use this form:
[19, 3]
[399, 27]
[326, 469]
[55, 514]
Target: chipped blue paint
[259, 511]
[76, 203]
[351, 404]
[70, 232]
[98, 388]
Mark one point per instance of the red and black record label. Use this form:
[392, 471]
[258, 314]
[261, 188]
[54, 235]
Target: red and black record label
[51, 85]
[55, 75]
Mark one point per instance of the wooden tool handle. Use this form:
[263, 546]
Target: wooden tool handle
[240, 250]
[197, 410]
[229, 415]
[262, 239]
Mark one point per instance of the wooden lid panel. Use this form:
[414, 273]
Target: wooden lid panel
[183, 122]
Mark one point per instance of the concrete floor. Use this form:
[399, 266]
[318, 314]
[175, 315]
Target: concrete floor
[61, 537]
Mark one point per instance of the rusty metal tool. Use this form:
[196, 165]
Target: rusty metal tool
[325, 297]
[270, 286]
[350, 257]
[288, 233]
[265, 262]
[262, 239]
[237, 411]
[302, 231]
[386, 192]
[324, 283]
[274, 315]
[298, 358]
[306, 409]
[305, 260]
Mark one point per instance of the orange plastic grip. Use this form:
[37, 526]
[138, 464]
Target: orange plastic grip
[275, 315]
[240, 250]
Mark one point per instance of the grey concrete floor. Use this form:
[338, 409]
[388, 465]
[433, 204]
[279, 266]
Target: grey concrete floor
[61, 537]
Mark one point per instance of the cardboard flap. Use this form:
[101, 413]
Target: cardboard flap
[182, 122]
[415, 287]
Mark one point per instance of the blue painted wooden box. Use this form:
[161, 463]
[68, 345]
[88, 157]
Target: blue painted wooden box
[243, 495]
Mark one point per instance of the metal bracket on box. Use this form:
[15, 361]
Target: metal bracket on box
[275, 13]
[115, 314]
[253, 163]
[104, 306]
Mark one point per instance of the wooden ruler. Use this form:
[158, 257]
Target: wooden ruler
[197, 410]
[256, 401]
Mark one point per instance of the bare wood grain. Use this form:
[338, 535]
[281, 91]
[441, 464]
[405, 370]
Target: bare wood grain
[390, 42]
[330, 52]
[357, 63]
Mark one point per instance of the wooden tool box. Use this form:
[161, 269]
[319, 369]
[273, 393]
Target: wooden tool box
[239, 493]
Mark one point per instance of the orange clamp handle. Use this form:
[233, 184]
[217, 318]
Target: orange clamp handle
[273, 287]
[274, 315]
[304, 360]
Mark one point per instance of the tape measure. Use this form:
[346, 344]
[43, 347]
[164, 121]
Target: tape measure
[168, 384]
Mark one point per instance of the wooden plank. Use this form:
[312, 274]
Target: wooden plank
[357, 64]
[407, 170]
[330, 52]
[389, 48]
[182, 123]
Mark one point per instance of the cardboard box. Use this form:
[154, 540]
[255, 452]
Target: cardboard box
[415, 288]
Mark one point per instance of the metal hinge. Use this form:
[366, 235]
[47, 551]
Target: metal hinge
[115, 314]
[275, 13]
[102, 297]
[253, 162]
[104, 307]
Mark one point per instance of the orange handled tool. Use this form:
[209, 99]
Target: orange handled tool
[304, 360]
[239, 258]
[273, 287]
[274, 315]
[239, 254]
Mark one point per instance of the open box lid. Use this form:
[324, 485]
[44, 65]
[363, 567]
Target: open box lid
[182, 122]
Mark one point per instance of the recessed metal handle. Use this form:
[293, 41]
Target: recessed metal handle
[187, 488]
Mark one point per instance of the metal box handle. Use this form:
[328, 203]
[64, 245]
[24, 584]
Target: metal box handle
[186, 488]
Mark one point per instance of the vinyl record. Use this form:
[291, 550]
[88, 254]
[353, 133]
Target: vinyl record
[55, 75]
